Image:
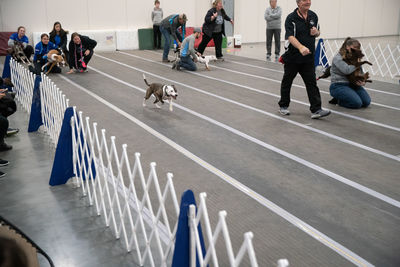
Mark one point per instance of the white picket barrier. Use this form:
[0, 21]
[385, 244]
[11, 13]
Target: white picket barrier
[53, 105]
[23, 81]
[385, 59]
[138, 208]
[212, 238]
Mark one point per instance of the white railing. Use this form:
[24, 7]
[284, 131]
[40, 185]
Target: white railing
[53, 105]
[23, 81]
[142, 209]
[211, 255]
[385, 59]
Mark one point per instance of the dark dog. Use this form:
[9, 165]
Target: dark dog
[161, 92]
[352, 57]
[17, 53]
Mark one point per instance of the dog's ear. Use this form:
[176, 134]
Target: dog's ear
[174, 88]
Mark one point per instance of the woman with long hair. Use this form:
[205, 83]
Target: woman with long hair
[58, 36]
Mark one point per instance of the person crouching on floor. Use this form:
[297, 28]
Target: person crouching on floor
[188, 54]
[40, 57]
[80, 52]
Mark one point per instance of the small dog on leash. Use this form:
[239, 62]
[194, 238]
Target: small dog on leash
[161, 92]
[55, 57]
[206, 60]
[17, 53]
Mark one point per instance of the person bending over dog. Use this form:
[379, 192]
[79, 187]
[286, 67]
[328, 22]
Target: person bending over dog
[80, 52]
[169, 26]
[19, 38]
[188, 54]
[58, 36]
[343, 92]
[214, 28]
[40, 58]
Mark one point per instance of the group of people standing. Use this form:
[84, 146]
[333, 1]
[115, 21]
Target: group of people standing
[213, 29]
[301, 29]
[78, 53]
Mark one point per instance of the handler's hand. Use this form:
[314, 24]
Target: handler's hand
[304, 51]
[314, 31]
[87, 52]
[70, 71]
[360, 83]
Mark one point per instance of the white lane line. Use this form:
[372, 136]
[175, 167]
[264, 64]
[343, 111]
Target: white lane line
[397, 129]
[303, 226]
[299, 160]
[324, 80]
[278, 81]
[338, 138]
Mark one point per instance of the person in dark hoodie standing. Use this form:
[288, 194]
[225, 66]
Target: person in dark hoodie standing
[40, 57]
[80, 52]
[58, 36]
[214, 28]
[169, 26]
[156, 17]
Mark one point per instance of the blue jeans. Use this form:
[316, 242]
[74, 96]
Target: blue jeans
[349, 97]
[167, 43]
[188, 63]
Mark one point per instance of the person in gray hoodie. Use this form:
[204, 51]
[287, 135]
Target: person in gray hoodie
[188, 54]
[156, 18]
[273, 15]
[345, 94]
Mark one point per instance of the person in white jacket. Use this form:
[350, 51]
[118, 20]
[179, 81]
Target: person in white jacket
[273, 15]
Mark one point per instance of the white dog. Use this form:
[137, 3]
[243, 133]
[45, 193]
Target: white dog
[206, 60]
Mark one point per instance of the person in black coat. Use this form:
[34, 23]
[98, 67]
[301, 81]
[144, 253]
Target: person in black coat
[80, 52]
[214, 28]
[58, 36]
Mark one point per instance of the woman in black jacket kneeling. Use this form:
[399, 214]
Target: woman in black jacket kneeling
[80, 52]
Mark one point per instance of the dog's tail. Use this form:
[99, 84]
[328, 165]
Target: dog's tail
[144, 78]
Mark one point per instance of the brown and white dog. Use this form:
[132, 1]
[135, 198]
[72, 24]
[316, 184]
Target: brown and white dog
[55, 57]
[206, 60]
[161, 92]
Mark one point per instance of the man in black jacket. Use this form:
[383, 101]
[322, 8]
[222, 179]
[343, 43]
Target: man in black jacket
[80, 52]
[214, 28]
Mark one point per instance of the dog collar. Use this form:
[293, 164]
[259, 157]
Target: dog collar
[164, 91]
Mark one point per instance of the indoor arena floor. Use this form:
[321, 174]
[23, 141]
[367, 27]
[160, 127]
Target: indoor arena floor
[318, 192]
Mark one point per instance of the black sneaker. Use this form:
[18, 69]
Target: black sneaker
[5, 147]
[166, 60]
[3, 162]
[333, 101]
[11, 131]
[2, 174]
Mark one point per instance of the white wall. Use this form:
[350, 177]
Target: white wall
[338, 18]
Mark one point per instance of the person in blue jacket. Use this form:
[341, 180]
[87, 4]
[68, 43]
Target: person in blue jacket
[19, 38]
[58, 36]
[40, 57]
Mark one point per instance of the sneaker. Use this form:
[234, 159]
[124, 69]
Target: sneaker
[333, 101]
[2, 174]
[3, 162]
[320, 113]
[268, 58]
[284, 111]
[5, 147]
[166, 60]
[11, 131]
[221, 58]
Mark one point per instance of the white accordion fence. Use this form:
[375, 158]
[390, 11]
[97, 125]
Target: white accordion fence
[142, 209]
[385, 58]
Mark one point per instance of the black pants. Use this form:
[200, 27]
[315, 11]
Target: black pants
[217, 37]
[28, 51]
[307, 73]
[3, 128]
[78, 63]
[38, 68]
[157, 36]
[276, 34]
